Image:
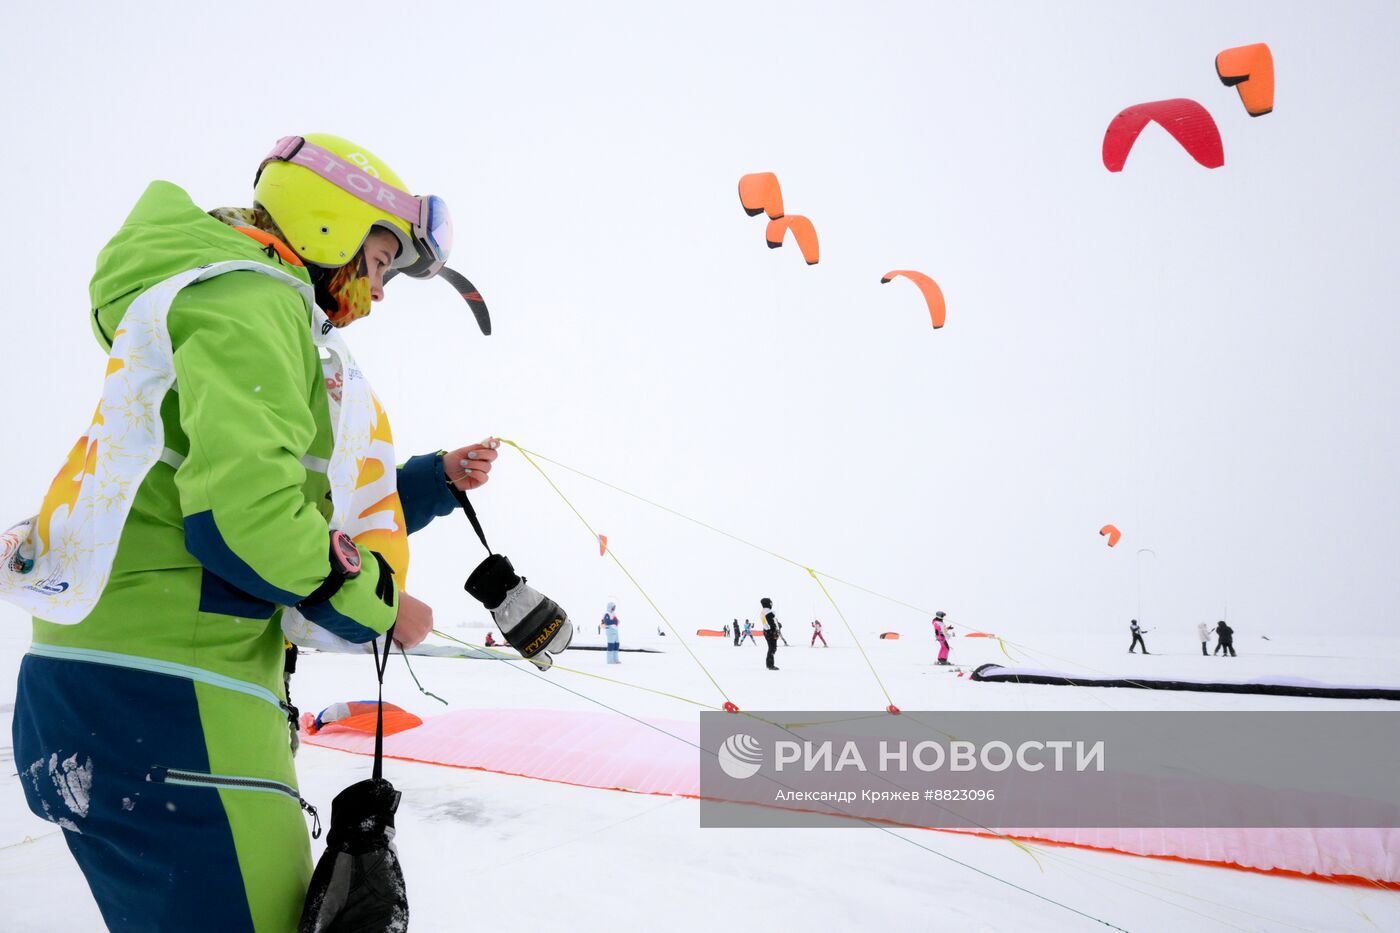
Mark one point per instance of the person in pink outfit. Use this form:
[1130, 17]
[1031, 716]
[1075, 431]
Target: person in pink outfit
[941, 636]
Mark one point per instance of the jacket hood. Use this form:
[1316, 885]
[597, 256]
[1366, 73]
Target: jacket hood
[165, 234]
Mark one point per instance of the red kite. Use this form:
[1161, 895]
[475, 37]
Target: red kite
[1189, 123]
[1112, 532]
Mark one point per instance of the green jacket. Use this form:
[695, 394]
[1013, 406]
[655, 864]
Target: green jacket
[215, 545]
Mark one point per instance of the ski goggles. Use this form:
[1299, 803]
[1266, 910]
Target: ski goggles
[428, 217]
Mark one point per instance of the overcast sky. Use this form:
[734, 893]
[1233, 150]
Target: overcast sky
[1205, 358]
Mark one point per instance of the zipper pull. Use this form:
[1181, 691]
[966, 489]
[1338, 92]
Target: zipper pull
[315, 817]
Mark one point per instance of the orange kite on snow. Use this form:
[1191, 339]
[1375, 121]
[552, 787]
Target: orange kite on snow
[359, 716]
[1249, 69]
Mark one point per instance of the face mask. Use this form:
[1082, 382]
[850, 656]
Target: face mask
[345, 295]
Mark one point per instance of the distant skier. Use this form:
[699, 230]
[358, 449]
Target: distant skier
[817, 633]
[1137, 638]
[609, 626]
[748, 633]
[770, 631]
[942, 637]
[737, 633]
[1227, 639]
[1204, 633]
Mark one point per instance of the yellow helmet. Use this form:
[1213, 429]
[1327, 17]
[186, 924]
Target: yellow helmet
[322, 222]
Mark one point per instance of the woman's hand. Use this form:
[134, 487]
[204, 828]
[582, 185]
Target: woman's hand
[413, 622]
[469, 467]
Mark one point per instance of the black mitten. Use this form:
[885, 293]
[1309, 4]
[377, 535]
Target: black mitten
[358, 885]
[531, 622]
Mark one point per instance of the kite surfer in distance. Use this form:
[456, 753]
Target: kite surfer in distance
[1137, 638]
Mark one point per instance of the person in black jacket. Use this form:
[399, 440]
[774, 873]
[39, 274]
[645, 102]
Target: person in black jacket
[1227, 639]
[737, 633]
[770, 631]
[1137, 638]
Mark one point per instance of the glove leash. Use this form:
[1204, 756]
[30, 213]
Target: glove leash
[466, 505]
[379, 668]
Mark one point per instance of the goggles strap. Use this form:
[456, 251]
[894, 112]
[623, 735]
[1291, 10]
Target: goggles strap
[349, 177]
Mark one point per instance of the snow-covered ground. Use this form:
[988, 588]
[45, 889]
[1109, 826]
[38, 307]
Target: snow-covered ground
[636, 861]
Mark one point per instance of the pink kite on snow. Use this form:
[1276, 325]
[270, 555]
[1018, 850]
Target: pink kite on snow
[605, 751]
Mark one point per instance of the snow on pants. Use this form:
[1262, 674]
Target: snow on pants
[613, 646]
[119, 758]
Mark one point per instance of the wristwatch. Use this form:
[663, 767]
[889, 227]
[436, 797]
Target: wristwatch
[345, 565]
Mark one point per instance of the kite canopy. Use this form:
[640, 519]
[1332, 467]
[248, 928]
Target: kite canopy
[1188, 122]
[1112, 533]
[1249, 69]
[658, 756]
[933, 295]
[1264, 686]
[359, 716]
[802, 231]
[760, 193]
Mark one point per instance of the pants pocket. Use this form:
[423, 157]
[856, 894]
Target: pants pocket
[159, 774]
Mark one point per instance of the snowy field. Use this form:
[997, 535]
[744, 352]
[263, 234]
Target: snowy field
[1204, 357]
[642, 862]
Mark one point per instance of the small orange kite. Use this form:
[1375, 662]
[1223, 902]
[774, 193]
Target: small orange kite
[802, 231]
[759, 193]
[1249, 69]
[933, 295]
